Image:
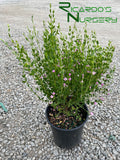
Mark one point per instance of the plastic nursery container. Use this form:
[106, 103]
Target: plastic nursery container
[67, 138]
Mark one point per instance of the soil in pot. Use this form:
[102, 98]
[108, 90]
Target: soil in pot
[66, 122]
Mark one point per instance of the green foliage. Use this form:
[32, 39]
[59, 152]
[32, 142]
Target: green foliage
[68, 69]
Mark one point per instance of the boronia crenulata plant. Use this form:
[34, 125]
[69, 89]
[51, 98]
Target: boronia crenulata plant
[68, 69]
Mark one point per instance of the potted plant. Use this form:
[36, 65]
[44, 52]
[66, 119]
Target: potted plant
[69, 70]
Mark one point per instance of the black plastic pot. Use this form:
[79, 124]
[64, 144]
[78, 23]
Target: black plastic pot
[67, 138]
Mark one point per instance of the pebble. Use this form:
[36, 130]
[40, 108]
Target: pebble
[40, 151]
[18, 157]
[3, 150]
[1, 130]
[10, 159]
[104, 145]
[55, 152]
[115, 152]
[1, 117]
[32, 144]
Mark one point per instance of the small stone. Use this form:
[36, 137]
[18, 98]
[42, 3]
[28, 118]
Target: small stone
[10, 159]
[119, 138]
[18, 157]
[1, 130]
[56, 152]
[104, 145]
[3, 150]
[32, 144]
[1, 117]
[24, 154]
[40, 151]
[115, 152]
[5, 141]
[7, 153]
[8, 125]
[22, 142]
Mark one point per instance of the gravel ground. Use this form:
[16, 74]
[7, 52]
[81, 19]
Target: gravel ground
[24, 132]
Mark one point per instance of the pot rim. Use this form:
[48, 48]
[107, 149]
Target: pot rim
[68, 130]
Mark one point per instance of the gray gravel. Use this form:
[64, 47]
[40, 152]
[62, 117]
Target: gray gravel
[24, 132]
